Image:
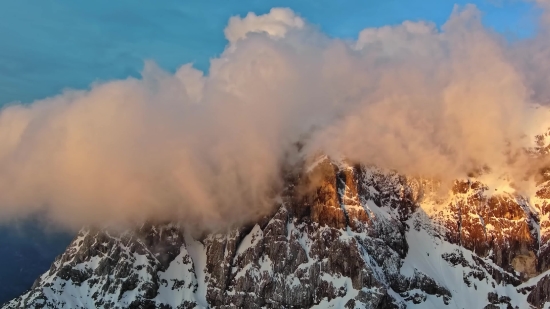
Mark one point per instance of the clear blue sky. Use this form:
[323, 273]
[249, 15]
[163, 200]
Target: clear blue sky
[50, 45]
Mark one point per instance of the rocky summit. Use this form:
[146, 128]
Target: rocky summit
[340, 236]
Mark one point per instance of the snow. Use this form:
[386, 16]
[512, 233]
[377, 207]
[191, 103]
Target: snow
[425, 255]
[303, 240]
[318, 161]
[177, 271]
[496, 184]
[537, 122]
[197, 252]
[251, 239]
[338, 302]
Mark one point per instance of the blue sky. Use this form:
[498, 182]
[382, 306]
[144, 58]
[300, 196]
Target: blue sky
[47, 46]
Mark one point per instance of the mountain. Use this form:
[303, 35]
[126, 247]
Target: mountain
[340, 236]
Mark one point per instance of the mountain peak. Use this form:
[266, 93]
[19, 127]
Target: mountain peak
[340, 236]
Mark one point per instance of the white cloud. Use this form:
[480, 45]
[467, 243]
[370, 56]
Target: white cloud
[207, 150]
[276, 24]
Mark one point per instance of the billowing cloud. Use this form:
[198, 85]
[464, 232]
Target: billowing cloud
[208, 150]
[276, 24]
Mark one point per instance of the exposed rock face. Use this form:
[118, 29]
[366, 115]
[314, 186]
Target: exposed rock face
[501, 227]
[340, 237]
[540, 294]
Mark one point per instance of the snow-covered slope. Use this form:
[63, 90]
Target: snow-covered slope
[340, 237]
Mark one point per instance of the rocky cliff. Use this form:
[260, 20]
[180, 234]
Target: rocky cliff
[340, 236]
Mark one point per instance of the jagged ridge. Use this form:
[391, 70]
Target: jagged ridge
[358, 238]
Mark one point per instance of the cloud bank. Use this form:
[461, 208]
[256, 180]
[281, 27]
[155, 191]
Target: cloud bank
[208, 150]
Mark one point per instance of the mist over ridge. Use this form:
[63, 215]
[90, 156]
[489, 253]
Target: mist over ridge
[208, 149]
